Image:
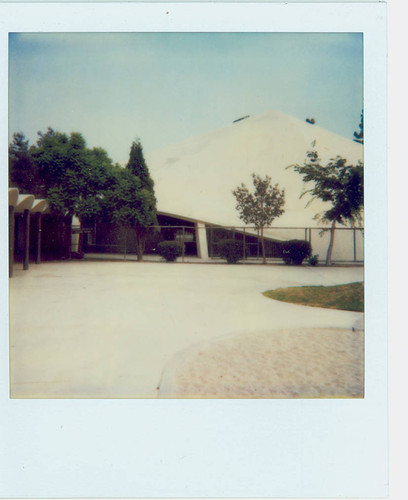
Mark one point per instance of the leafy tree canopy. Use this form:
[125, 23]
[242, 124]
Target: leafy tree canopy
[337, 183]
[262, 206]
[59, 156]
[22, 170]
[129, 203]
[359, 136]
[60, 168]
[137, 165]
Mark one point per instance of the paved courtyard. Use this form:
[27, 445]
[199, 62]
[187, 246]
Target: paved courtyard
[84, 329]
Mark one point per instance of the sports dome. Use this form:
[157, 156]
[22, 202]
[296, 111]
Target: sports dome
[194, 179]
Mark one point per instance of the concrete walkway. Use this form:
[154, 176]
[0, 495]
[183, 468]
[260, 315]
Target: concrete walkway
[107, 329]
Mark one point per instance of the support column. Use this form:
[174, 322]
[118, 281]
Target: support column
[257, 243]
[38, 239]
[211, 242]
[354, 245]
[11, 240]
[68, 236]
[182, 240]
[201, 241]
[26, 244]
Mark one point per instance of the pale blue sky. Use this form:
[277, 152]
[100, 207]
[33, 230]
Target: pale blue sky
[167, 87]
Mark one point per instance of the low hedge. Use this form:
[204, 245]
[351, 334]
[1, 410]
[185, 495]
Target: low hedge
[231, 250]
[295, 251]
[170, 250]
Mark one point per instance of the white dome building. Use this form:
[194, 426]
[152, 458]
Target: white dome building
[194, 179]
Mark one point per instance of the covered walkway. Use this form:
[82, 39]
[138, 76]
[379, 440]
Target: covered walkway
[25, 206]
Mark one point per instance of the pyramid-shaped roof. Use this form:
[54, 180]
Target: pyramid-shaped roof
[195, 178]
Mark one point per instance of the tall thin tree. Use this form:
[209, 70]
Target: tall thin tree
[148, 211]
[137, 165]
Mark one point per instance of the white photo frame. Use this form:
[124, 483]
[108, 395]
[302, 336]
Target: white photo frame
[212, 448]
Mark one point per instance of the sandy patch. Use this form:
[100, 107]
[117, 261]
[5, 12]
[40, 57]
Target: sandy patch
[301, 363]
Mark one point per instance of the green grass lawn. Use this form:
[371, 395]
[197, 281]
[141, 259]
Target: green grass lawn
[348, 297]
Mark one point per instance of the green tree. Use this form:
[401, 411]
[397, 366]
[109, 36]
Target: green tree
[137, 165]
[337, 183]
[57, 171]
[148, 212]
[95, 179]
[71, 177]
[23, 173]
[261, 207]
[132, 206]
[359, 136]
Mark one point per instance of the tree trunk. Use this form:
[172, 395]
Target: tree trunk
[80, 243]
[331, 243]
[140, 244]
[80, 238]
[38, 238]
[263, 245]
[11, 240]
[26, 249]
[68, 236]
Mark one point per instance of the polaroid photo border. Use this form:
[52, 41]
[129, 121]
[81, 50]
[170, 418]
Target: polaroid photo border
[212, 448]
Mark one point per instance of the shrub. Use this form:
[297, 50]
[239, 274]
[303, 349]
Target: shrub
[295, 251]
[231, 250]
[77, 255]
[313, 261]
[170, 250]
